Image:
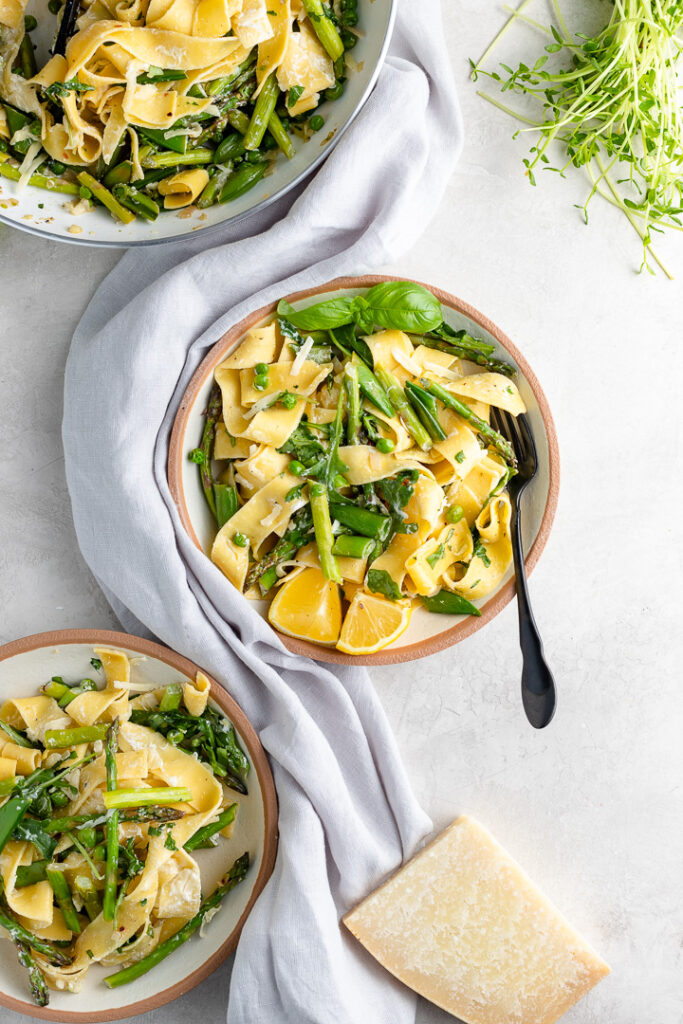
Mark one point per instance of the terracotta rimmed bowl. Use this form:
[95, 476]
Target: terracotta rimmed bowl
[48, 213]
[24, 666]
[427, 632]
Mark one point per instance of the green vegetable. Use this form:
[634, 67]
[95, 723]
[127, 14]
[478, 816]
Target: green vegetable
[39, 180]
[324, 28]
[448, 603]
[57, 90]
[17, 737]
[155, 74]
[614, 108]
[86, 890]
[136, 201]
[244, 178]
[112, 836]
[193, 157]
[30, 830]
[236, 874]
[480, 552]
[373, 390]
[170, 699]
[380, 582]
[59, 738]
[403, 306]
[203, 835]
[316, 122]
[424, 405]
[65, 903]
[360, 520]
[213, 414]
[18, 932]
[385, 445]
[407, 414]
[226, 502]
[263, 109]
[239, 540]
[105, 197]
[117, 798]
[322, 525]
[353, 420]
[454, 513]
[231, 148]
[350, 546]
[481, 426]
[38, 985]
[25, 791]
[29, 874]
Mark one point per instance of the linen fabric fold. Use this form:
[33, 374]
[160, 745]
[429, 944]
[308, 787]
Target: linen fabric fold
[347, 814]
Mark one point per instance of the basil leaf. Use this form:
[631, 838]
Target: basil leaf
[380, 582]
[448, 603]
[321, 316]
[404, 306]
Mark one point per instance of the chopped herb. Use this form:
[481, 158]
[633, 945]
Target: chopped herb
[89, 953]
[435, 556]
[96, 664]
[60, 89]
[294, 95]
[169, 842]
[480, 552]
[460, 456]
[380, 582]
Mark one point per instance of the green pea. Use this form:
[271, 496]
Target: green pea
[340, 481]
[261, 382]
[335, 91]
[385, 445]
[239, 540]
[296, 467]
[54, 6]
[4, 145]
[30, 23]
[196, 455]
[316, 123]
[253, 156]
[261, 369]
[455, 514]
[84, 192]
[288, 400]
[57, 167]
[317, 490]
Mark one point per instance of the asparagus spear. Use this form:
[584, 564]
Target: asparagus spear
[404, 409]
[141, 797]
[235, 875]
[39, 990]
[202, 455]
[140, 814]
[201, 155]
[471, 352]
[263, 109]
[86, 890]
[112, 860]
[105, 197]
[322, 525]
[424, 405]
[353, 403]
[348, 546]
[16, 737]
[361, 520]
[60, 887]
[171, 697]
[500, 443]
[59, 738]
[324, 28]
[203, 835]
[8, 170]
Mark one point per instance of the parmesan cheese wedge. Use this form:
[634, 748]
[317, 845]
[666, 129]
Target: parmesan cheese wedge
[465, 927]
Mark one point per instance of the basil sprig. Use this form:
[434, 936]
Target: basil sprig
[396, 305]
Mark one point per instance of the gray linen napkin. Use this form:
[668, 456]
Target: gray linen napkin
[347, 814]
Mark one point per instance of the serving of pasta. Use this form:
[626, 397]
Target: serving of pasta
[108, 789]
[150, 105]
[349, 462]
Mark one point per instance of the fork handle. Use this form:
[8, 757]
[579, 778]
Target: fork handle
[538, 685]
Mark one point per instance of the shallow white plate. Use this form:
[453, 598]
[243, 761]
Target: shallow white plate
[427, 632]
[24, 666]
[45, 213]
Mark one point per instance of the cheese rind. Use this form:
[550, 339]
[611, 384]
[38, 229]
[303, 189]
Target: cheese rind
[465, 927]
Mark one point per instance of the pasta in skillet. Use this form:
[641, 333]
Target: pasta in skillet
[166, 103]
[107, 793]
[350, 464]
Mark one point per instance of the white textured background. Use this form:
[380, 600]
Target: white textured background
[593, 806]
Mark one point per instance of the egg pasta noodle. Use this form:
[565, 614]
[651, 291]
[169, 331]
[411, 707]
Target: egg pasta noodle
[167, 103]
[348, 459]
[107, 794]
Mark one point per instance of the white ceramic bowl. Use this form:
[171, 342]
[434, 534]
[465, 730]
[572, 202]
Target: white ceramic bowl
[427, 632]
[44, 213]
[24, 666]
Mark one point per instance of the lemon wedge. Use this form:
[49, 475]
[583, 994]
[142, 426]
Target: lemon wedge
[372, 623]
[308, 607]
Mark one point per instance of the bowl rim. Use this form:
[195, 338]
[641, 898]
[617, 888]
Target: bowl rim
[209, 229]
[447, 637]
[257, 755]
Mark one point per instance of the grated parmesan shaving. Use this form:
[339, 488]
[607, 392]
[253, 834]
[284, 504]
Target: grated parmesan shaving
[22, 134]
[242, 482]
[302, 356]
[33, 159]
[272, 516]
[259, 406]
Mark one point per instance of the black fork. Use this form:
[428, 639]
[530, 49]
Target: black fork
[538, 685]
